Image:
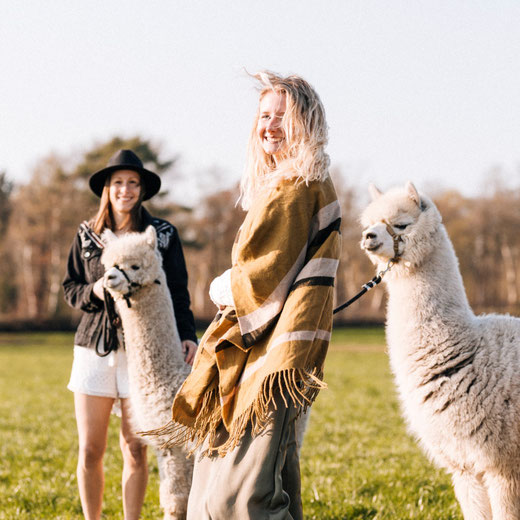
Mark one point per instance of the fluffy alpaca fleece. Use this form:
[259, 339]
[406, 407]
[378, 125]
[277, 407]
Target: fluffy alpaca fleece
[156, 366]
[458, 375]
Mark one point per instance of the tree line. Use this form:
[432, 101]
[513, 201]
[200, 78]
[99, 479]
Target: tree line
[38, 220]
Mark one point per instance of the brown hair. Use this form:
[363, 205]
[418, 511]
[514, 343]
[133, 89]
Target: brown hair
[105, 218]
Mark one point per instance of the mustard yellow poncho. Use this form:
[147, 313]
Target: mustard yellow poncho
[284, 261]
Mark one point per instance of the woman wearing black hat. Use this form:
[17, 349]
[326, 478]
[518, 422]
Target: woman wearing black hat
[99, 375]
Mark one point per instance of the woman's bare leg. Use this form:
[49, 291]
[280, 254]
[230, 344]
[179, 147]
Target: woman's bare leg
[92, 418]
[135, 465]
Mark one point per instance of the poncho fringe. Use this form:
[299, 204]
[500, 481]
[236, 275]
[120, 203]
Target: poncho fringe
[302, 386]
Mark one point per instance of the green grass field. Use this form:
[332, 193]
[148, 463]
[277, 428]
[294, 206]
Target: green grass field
[358, 462]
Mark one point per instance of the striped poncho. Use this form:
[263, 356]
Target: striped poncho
[284, 262]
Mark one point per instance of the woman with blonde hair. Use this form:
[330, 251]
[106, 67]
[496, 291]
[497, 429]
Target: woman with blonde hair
[260, 363]
[99, 375]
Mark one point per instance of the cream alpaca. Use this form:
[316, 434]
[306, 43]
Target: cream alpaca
[156, 367]
[457, 373]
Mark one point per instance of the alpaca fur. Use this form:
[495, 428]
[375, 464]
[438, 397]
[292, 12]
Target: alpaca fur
[458, 375]
[156, 366]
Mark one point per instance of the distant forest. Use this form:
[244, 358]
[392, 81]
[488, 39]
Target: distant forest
[38, 221]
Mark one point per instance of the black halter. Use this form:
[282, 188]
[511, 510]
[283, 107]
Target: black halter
[134, 286]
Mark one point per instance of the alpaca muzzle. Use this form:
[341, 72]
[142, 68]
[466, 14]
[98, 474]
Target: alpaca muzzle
[115, 278]
[373, 243]
[370, 242]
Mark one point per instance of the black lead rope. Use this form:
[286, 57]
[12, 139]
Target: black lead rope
[110, 308]
[366, 287]
[110, 324]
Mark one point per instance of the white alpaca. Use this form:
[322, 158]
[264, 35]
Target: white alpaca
[156, 367]
[458, 374]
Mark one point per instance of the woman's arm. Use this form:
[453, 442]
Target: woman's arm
[177, 278]
[79, 293]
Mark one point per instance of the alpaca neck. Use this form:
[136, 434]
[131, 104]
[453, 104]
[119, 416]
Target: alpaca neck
[151, 336]
[428, 296]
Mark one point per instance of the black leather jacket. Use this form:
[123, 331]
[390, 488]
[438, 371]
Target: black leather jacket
[84, 268]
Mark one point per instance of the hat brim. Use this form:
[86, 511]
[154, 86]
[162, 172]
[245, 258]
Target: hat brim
[150, 180]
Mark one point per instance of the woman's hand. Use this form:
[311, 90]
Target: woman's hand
[98, 289]
[190, 349]
[220, 291]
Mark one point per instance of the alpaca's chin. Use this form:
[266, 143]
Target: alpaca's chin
[115, 294]
[403, 265]
[114, 288]
[379, 261]
[382, 263]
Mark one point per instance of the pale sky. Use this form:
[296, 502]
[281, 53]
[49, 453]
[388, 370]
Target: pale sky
[421, 90]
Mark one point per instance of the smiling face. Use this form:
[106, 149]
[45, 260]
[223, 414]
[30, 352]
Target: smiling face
[269, 127]
[124, 191]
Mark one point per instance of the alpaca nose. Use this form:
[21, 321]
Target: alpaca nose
[111, 277]
[370, 235]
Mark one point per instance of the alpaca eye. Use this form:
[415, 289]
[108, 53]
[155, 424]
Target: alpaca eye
[401, 226]
[135, 267]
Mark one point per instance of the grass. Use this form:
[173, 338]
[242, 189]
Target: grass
[358, 462]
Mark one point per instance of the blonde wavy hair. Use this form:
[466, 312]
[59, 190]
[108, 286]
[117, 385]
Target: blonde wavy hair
[305, 133]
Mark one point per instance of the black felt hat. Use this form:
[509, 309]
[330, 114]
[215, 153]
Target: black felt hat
[126, 160]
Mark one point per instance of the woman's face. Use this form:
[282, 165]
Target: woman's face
[124, 190]
[269, 127]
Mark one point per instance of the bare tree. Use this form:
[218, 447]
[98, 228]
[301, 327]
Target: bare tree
[7, 285]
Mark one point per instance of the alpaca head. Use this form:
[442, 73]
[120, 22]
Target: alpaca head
[413, 218]
[131, 261]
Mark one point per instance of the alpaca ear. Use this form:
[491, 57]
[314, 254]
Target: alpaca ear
[151, 236]
[108, 236]
[374, 191]
[413, 193]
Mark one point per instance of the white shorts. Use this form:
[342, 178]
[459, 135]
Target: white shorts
[101, 376]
